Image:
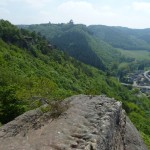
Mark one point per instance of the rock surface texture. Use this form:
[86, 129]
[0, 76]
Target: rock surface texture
[90, 123]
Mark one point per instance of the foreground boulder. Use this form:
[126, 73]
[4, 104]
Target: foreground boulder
[89, 123]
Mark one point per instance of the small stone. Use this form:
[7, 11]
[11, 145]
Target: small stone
[74, 145]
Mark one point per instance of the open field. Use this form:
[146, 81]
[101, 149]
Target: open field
[137, 54]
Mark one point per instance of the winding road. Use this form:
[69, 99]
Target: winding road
[139, 86]
[146, 75]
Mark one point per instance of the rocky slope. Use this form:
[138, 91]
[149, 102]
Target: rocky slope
[90, 123]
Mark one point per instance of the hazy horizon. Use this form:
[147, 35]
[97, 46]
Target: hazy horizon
[80, 23]
[126, 13]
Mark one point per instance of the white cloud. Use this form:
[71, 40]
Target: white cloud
[131, 13]
[31, 3]
[81, 11]
[37, 3]
[4, 12]
[3, 3]
[141, 6]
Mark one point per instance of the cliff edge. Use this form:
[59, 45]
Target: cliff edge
[89, 123]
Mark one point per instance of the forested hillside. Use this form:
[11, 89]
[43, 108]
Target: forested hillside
[96, 45]
[79, 42]
[121, 37]
[32, 71]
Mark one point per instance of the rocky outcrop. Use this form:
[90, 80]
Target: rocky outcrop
[90, 123]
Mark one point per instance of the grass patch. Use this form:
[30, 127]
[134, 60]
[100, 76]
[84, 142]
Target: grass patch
[56, 108]
[146, 139]
[137, 54]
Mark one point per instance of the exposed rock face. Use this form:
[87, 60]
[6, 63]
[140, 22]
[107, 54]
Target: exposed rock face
[90, 123]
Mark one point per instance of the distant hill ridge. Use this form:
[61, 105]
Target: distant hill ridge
[78, 41]
[121, 37]
[95, 45]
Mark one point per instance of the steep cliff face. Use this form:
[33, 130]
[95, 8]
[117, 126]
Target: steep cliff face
[90, 123]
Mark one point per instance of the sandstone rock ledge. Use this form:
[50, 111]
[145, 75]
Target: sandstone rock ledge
[90, 123]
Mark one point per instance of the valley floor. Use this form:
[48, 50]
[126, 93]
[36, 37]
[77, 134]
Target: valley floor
[139, 79]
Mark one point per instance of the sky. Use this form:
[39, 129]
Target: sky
[127, 13]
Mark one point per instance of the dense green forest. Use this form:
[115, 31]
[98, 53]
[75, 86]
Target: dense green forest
[31, 71]
[89, 44]
[78, 41]
[121, 37]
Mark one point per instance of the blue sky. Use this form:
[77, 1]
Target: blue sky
[128, 13]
